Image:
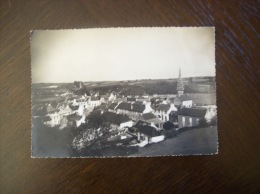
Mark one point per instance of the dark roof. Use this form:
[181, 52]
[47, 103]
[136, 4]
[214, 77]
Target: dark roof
[124, 106]
[74, 117]
[163, 107]
[148, 116]
[115, 118]
[94, 98]
[74, 107]
[138, 102]
[131, 99]
[137, 107]
[45, 119]
[61, 104]
[145, 128]
[101, 107]
[193, 112]
[184, 98]
[112, 106]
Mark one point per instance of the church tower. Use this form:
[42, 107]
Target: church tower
[180, 86]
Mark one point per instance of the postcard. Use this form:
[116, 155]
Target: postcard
[123, 92]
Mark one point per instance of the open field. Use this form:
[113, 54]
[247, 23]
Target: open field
[48, 100]
[192, 142]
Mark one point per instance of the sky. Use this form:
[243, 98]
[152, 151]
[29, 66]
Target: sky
[107, 54]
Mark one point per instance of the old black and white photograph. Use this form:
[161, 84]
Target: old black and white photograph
[123, 92]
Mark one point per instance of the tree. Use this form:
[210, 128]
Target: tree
[95, 120]
[213, 121]
[203, 122]
[168, 125]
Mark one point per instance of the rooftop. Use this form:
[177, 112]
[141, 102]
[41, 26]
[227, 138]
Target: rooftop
[115, 118]
[148, 116]
[163, 107]
[124, 106]
[184, 98]
[74, 117]
[145, 128]
[112, 106]
[193, 112]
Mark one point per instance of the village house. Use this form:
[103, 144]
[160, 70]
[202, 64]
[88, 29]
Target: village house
[63, 123]
[130, 99]
[112, 97]
[75, 119]
[120, 98]
[94, 101]
[133, 110]
[152, 119]
[183, 101]
[117, 120]
[190, 117]
[147, 133]
[143, 99]
[83, 101]
[61, 105]
[68, 110]
[52, 119]
[104, 98]
[163, 111]
[112, 107]
[46, 120]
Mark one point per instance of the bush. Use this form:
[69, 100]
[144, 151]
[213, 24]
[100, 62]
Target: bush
[203, 122]
[168, 125]
[213, 121]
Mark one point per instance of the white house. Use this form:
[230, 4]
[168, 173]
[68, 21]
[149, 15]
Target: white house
[112, 107]
[134, 110]
[83, 101]
[94, 101]
[183, 101]
[147, 134]
[152, 119]
[190, 117]
[118, 120]
[68, 110]
[163, 111]
[52, 119]
[112, 97]
[76, 119]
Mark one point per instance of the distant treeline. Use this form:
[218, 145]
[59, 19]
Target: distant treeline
[161, 87]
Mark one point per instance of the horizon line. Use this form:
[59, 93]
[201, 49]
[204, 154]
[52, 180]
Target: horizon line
[121, 80]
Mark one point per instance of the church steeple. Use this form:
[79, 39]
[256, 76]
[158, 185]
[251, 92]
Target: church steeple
[179, 73]
[180, 86]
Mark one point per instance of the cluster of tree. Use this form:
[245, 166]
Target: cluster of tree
[160, 87]
[133, 90]
[95, 127]
[107, 89]
[204, 123]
